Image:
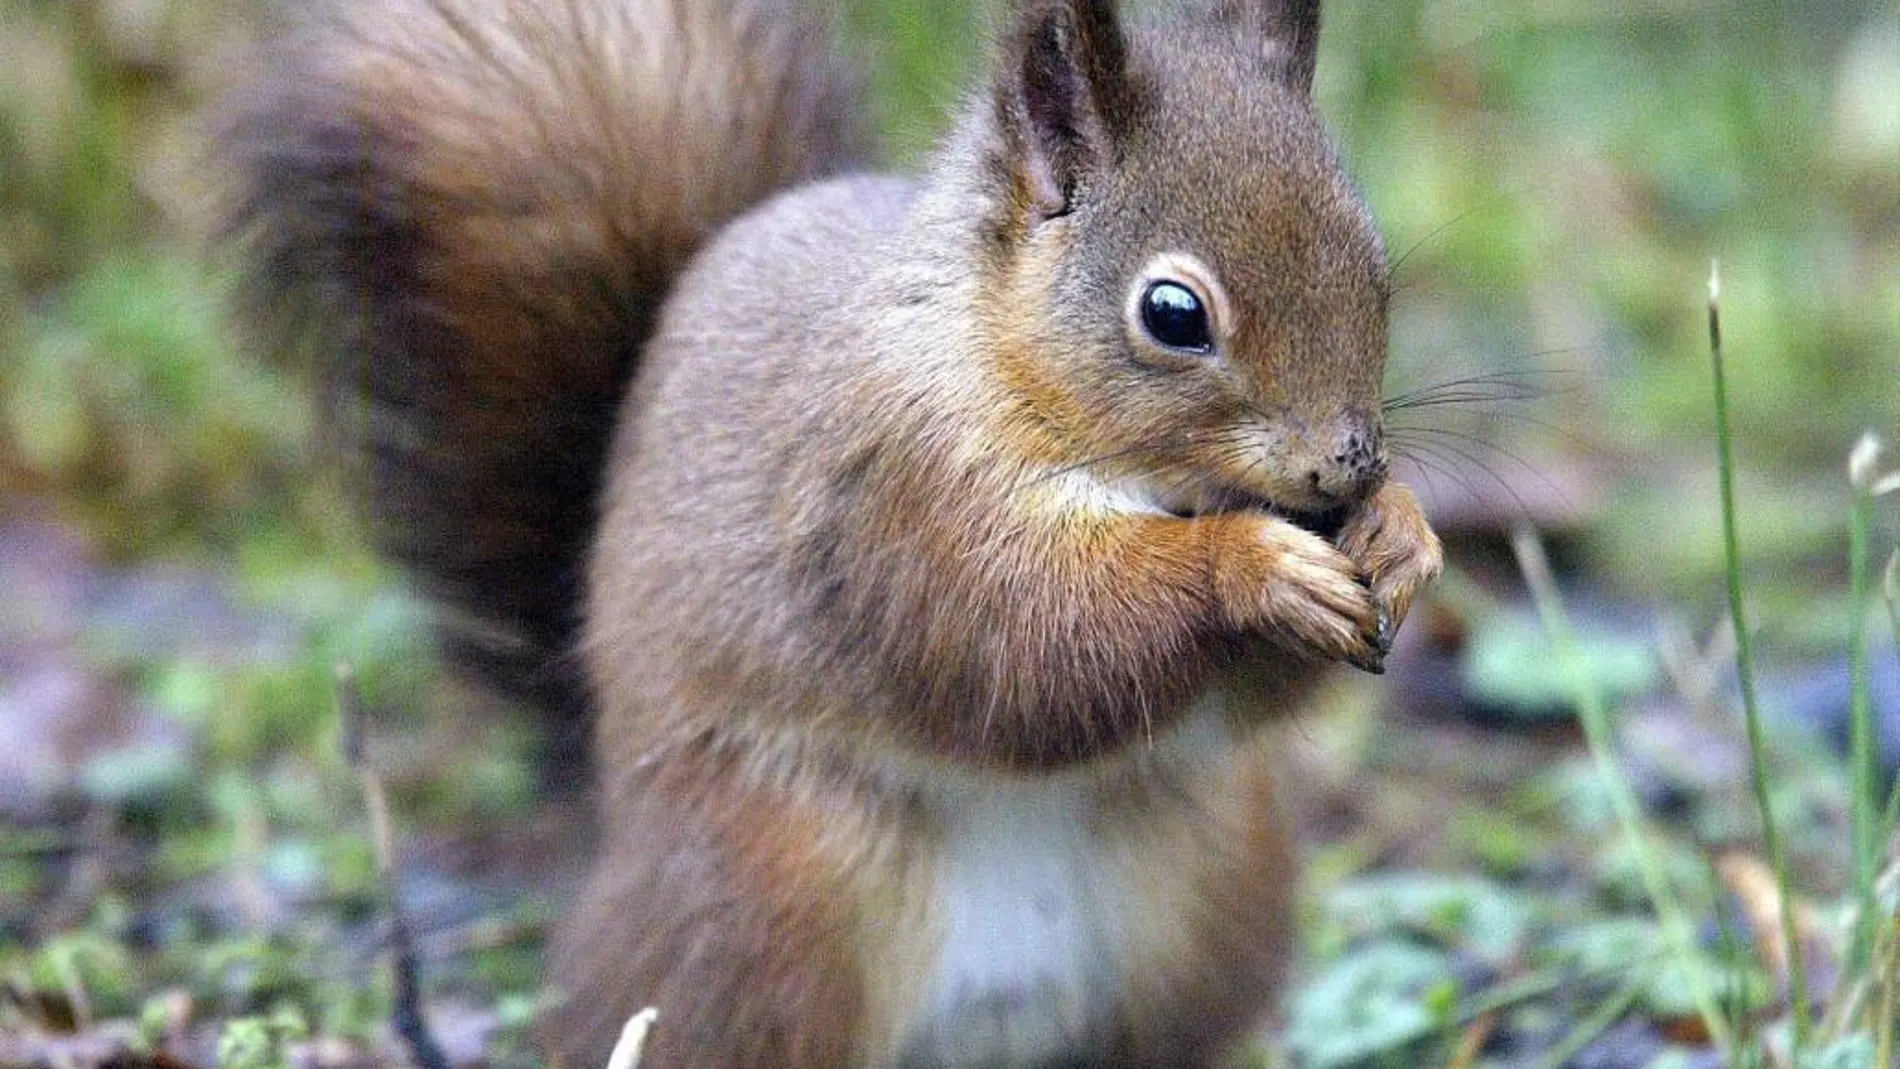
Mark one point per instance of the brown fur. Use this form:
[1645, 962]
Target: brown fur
[474, 209]
[928, 593]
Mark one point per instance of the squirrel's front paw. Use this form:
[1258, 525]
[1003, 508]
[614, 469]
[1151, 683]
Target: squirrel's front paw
[1289, 583]
[1397, 552]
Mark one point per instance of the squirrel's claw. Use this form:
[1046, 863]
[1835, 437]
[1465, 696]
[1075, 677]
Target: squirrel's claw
[1288, 582]
[1397, 551]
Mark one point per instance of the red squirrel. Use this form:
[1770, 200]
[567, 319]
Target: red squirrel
[926, 552]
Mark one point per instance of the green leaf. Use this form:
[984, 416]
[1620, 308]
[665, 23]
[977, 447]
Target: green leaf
[1371, 1008]
[1508, 666]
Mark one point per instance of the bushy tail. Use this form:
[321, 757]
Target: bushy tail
[474, 208]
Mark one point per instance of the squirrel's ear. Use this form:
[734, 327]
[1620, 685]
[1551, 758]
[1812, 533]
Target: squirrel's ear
[1061, 97]
[1289, 30]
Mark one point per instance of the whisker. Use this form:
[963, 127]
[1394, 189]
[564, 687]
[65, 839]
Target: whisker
[1449, 400]
[1515, 370]
[1424, 470]
[1506, 385]
[1080, 465]
[1492, 201]
[1393, 271]
[1518, 418]
[1182, 485]
[1467, 388]
[1441, 449]
[1482, 443]
[1425, 457]
[1228, 447]
[1256, 410]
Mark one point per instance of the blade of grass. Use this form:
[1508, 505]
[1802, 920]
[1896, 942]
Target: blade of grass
[1598, 736]
[406, 1016]
[1599, 1022]
[1890, 586]
[1536, 985]
[1866, 818]
[1734, 1004]
[1514, 992]
[1888, 978]
[1745, 672]
[1471, 1042]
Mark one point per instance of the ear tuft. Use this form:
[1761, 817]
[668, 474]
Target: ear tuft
[1062, 97]
[1289, 32]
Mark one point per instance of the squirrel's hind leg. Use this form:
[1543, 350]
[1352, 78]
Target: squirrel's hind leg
[715, 912]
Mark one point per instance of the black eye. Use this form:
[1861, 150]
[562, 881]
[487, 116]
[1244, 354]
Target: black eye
[1175, 317]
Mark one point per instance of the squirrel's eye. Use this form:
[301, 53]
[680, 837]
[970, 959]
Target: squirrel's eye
[1173, 316]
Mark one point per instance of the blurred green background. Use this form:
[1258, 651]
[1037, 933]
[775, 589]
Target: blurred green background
[1557, 177]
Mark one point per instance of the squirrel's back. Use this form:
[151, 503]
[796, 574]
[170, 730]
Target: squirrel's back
[474, 209]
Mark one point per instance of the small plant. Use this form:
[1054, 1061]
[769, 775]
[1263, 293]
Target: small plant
[262, 1041]
[1858, 1025]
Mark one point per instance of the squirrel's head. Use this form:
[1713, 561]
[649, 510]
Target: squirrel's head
[1188, 286]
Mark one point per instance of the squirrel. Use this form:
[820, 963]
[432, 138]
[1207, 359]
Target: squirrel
[928, 554]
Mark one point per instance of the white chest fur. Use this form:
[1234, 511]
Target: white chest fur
[1024, 973]
[1033, 886]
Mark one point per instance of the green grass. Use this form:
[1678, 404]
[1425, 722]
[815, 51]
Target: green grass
[1802, 1009]
[1599, 733]
[1859, 1026]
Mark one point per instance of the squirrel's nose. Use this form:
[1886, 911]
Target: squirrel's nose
[1351, 463]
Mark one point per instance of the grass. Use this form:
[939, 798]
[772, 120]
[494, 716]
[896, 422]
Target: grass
[1860, 1024]
[1745, 676]
[1599, 732]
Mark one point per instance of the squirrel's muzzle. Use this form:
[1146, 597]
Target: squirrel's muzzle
[1346, 463]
